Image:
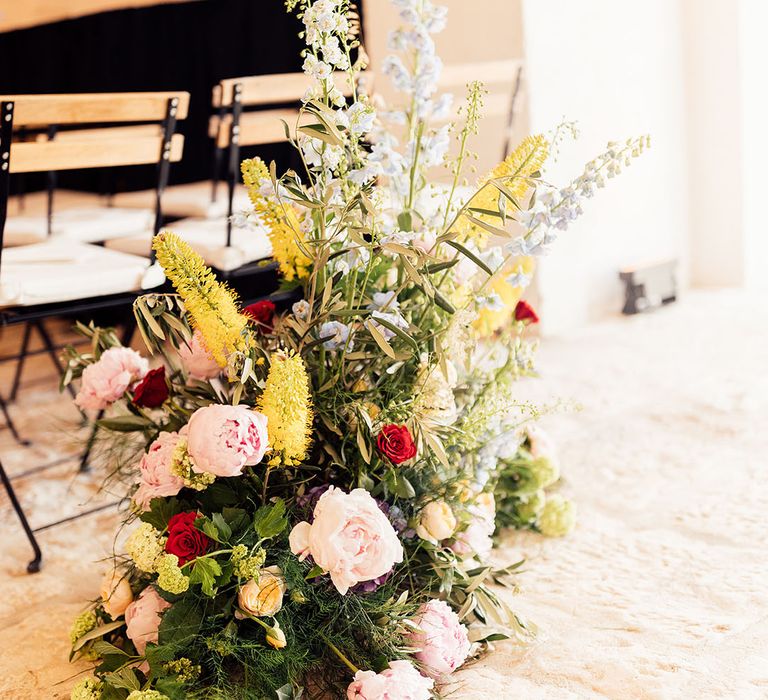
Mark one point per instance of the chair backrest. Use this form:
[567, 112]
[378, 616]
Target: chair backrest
[263, 92]
[250, 111]
[102, 130]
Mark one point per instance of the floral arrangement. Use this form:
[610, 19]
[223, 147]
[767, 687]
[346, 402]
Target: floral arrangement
[315, 487]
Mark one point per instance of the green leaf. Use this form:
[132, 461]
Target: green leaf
[97, 632]
[204, 571]
[180, 623]
[208, 528]
[381, 341]
[287, 692]
[400, 333]
[103, 648]
[469, 254]
[488, 227]
[405, 221]
[161, 510]
[124, 678]
[270, 520]
[443, 303]
[125, 424]
[225, 531]
[314, 572]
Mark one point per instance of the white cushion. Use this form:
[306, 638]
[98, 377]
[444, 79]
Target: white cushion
[61, 270]
[209, 238]
[192, 199]
[85, 224]
[24, 230]
[89, 225]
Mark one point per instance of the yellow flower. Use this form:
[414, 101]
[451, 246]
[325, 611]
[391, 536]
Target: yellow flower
[489, 321]
[262, 596]
[276, 637]
[145, 545]
[281, 218]
[287, 405]
[212, 306]
[170, 576]
[513, 173]
[82, 624]
[436, 522]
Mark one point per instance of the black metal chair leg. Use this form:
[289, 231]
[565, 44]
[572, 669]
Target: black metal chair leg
[50, 348]
[130, 328]
[34, 565]
[20, 362]
[11, 425]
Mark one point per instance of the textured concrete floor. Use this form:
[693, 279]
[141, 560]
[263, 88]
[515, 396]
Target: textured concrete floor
[660, 592]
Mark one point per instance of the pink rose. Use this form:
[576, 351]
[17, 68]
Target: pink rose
[349, 537]
[105, 381]
[155, 477]
[442, 640]
[198, 363]
[222, 440]
[401, 681]
[142, 618]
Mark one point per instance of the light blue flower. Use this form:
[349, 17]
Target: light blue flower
[336, 333]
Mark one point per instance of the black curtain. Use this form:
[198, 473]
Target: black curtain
[186, 46]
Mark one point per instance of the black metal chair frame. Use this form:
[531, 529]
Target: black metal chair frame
[37, 314]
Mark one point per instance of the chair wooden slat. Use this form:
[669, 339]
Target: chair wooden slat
[69, 154]
[273, 89]
[111, 132]
[257, 128]
[32, 110]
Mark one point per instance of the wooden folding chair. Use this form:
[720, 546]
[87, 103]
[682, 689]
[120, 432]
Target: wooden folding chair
[247, 111]
[65, 277]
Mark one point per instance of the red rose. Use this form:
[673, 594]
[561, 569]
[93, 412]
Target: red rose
[184, 539]
[396, 443]
[262, 312]
[152, 391]
[524, 312]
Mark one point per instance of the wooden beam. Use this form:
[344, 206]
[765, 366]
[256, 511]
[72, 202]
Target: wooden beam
[31, 156]
[85, 108]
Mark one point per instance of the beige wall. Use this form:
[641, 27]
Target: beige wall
[478, 30]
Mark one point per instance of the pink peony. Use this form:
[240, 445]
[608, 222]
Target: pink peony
[105, 381]
[349, 537]
[401, 681]
[155, 477]
[221, 440]
[142, 618]
[441, 638]
[198, 363]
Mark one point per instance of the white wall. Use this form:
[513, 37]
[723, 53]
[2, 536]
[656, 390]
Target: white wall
[754, 142]
[617, 68]
[714, 130]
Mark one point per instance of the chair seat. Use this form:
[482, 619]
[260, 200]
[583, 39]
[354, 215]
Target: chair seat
[190, 200]
[84, 224]
[209, 238]
[60, 270]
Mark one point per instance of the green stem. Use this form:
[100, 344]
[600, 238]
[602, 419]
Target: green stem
[341, 656]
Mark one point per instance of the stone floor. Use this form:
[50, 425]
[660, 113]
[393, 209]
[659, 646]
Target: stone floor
[659, 593]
